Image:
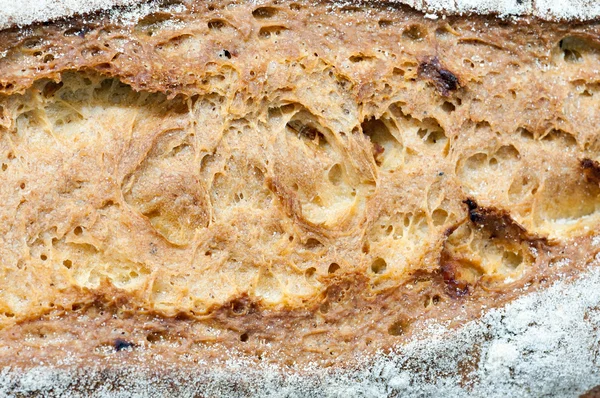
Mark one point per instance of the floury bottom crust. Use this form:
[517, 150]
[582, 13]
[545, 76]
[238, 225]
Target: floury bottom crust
[290, 184]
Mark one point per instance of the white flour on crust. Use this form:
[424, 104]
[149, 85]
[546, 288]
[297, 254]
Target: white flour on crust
[20, 13]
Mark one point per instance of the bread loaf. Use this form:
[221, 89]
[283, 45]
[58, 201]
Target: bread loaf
[289, 183]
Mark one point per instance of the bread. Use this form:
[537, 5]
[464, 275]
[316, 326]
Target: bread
[288, 183]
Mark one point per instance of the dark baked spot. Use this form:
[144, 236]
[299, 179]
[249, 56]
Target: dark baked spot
[444, 80]
[399, 327]
[501, 240]
[455, 286]
[120, 345]
[591, 169]
[498, 223]
[306, 130]
[224, 54]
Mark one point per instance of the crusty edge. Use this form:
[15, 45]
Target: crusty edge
[17, 13]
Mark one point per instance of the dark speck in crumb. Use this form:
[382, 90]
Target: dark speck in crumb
[121, 344]
[224, 54]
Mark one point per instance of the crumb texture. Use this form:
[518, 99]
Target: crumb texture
[195, 176]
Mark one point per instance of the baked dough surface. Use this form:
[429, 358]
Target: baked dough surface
[286, 177]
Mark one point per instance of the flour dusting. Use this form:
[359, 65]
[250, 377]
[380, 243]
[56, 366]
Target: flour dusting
[21, 13]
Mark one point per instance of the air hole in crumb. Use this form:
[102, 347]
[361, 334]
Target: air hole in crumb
[439, 217]
[572, 56]
[527, 134]
[267, 31]
[104, 65]
[358, 58]
[244, 337]
[22, 186]
[333, 268]
[431, 137]
[51, 88]
[335, 174]
[398, 72]
[574, 47]
[415, 32]
[429, 301]
[448, 107]
[43, 257]
[378, 266]
[385, 23]
[264, 12]
[310, 273]
[313, 243]
[78, 231]
[512, 260]
[33, 42]
[469, 63]
[398, 328]
[156, 337]
[216, 24]
[68, 264]
[307, 130]
[239, 307]
[380, 136]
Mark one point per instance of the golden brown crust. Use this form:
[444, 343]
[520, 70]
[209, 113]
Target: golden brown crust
[224, 178]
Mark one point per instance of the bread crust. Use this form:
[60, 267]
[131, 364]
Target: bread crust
[292, 182]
